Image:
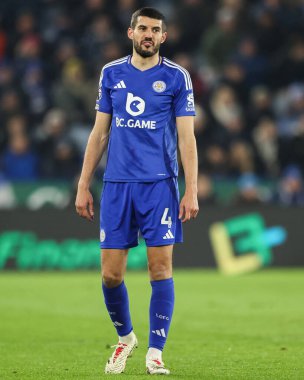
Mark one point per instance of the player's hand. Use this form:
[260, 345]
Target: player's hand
[84, 204]
[188, 207]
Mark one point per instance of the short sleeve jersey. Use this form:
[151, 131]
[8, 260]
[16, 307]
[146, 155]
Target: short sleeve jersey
[144, 105]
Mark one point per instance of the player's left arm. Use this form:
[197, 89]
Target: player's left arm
[187, 146]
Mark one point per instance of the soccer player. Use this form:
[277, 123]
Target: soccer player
[145, 105]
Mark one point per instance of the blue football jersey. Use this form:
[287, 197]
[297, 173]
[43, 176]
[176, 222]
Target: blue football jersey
[143, 104]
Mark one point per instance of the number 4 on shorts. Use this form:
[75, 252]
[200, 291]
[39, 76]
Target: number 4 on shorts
[164, 220]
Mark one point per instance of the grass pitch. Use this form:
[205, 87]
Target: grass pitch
[54, 326]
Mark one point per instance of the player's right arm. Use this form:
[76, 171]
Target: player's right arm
[96, 146]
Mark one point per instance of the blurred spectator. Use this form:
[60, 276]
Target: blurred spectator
[220, 40]
[65, 50]
[265, 138]
[205, 190]
[215, 161]
[98, 34]
[260, 106]
[173, 42]
[290, 67]
[286, 13]
[111, 51]
[269, 34]
[58, 22]
[74, 92]
[16, 124]
[28, 53]
[51, 133]
[66, 160]
[10, 104]
[7, 76]
[123, 13]
[233, 75]
[253, 64]
[290, 190]
[25, 23]
[240, 8]
[87, 11]
[225, 117]
[249, 192]
[293, 110]
[241, 158]
[199, 87]
[19, 161]
[297, 145]
[224, 105]
[78, 135]
[200, 13]
[34, 88]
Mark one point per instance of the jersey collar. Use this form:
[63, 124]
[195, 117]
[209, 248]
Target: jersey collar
[156, 67]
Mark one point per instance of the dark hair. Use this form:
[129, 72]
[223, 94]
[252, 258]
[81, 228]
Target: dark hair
[148, 12]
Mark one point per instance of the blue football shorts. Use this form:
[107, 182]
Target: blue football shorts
[149, 208]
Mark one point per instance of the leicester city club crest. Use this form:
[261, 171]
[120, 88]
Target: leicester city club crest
[159, 86]
[102, 235]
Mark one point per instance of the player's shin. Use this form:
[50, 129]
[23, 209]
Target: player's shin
[117, 303]
[161, 310]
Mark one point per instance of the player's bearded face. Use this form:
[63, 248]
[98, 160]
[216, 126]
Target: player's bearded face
[146, 47]
[147, 36]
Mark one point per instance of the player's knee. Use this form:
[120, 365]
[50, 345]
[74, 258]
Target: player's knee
[160, 270]
[111, 279]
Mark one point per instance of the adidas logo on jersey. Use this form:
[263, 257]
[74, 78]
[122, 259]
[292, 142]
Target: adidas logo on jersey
[160, 332]
[169, 235]
[121, 84]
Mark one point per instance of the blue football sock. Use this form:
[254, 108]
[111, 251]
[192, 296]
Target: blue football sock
[161, 310]
[117, 303]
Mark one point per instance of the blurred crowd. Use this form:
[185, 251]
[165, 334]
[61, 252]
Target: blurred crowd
[246, 60]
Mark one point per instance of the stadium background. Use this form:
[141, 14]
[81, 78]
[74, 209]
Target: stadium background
[246, 60]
